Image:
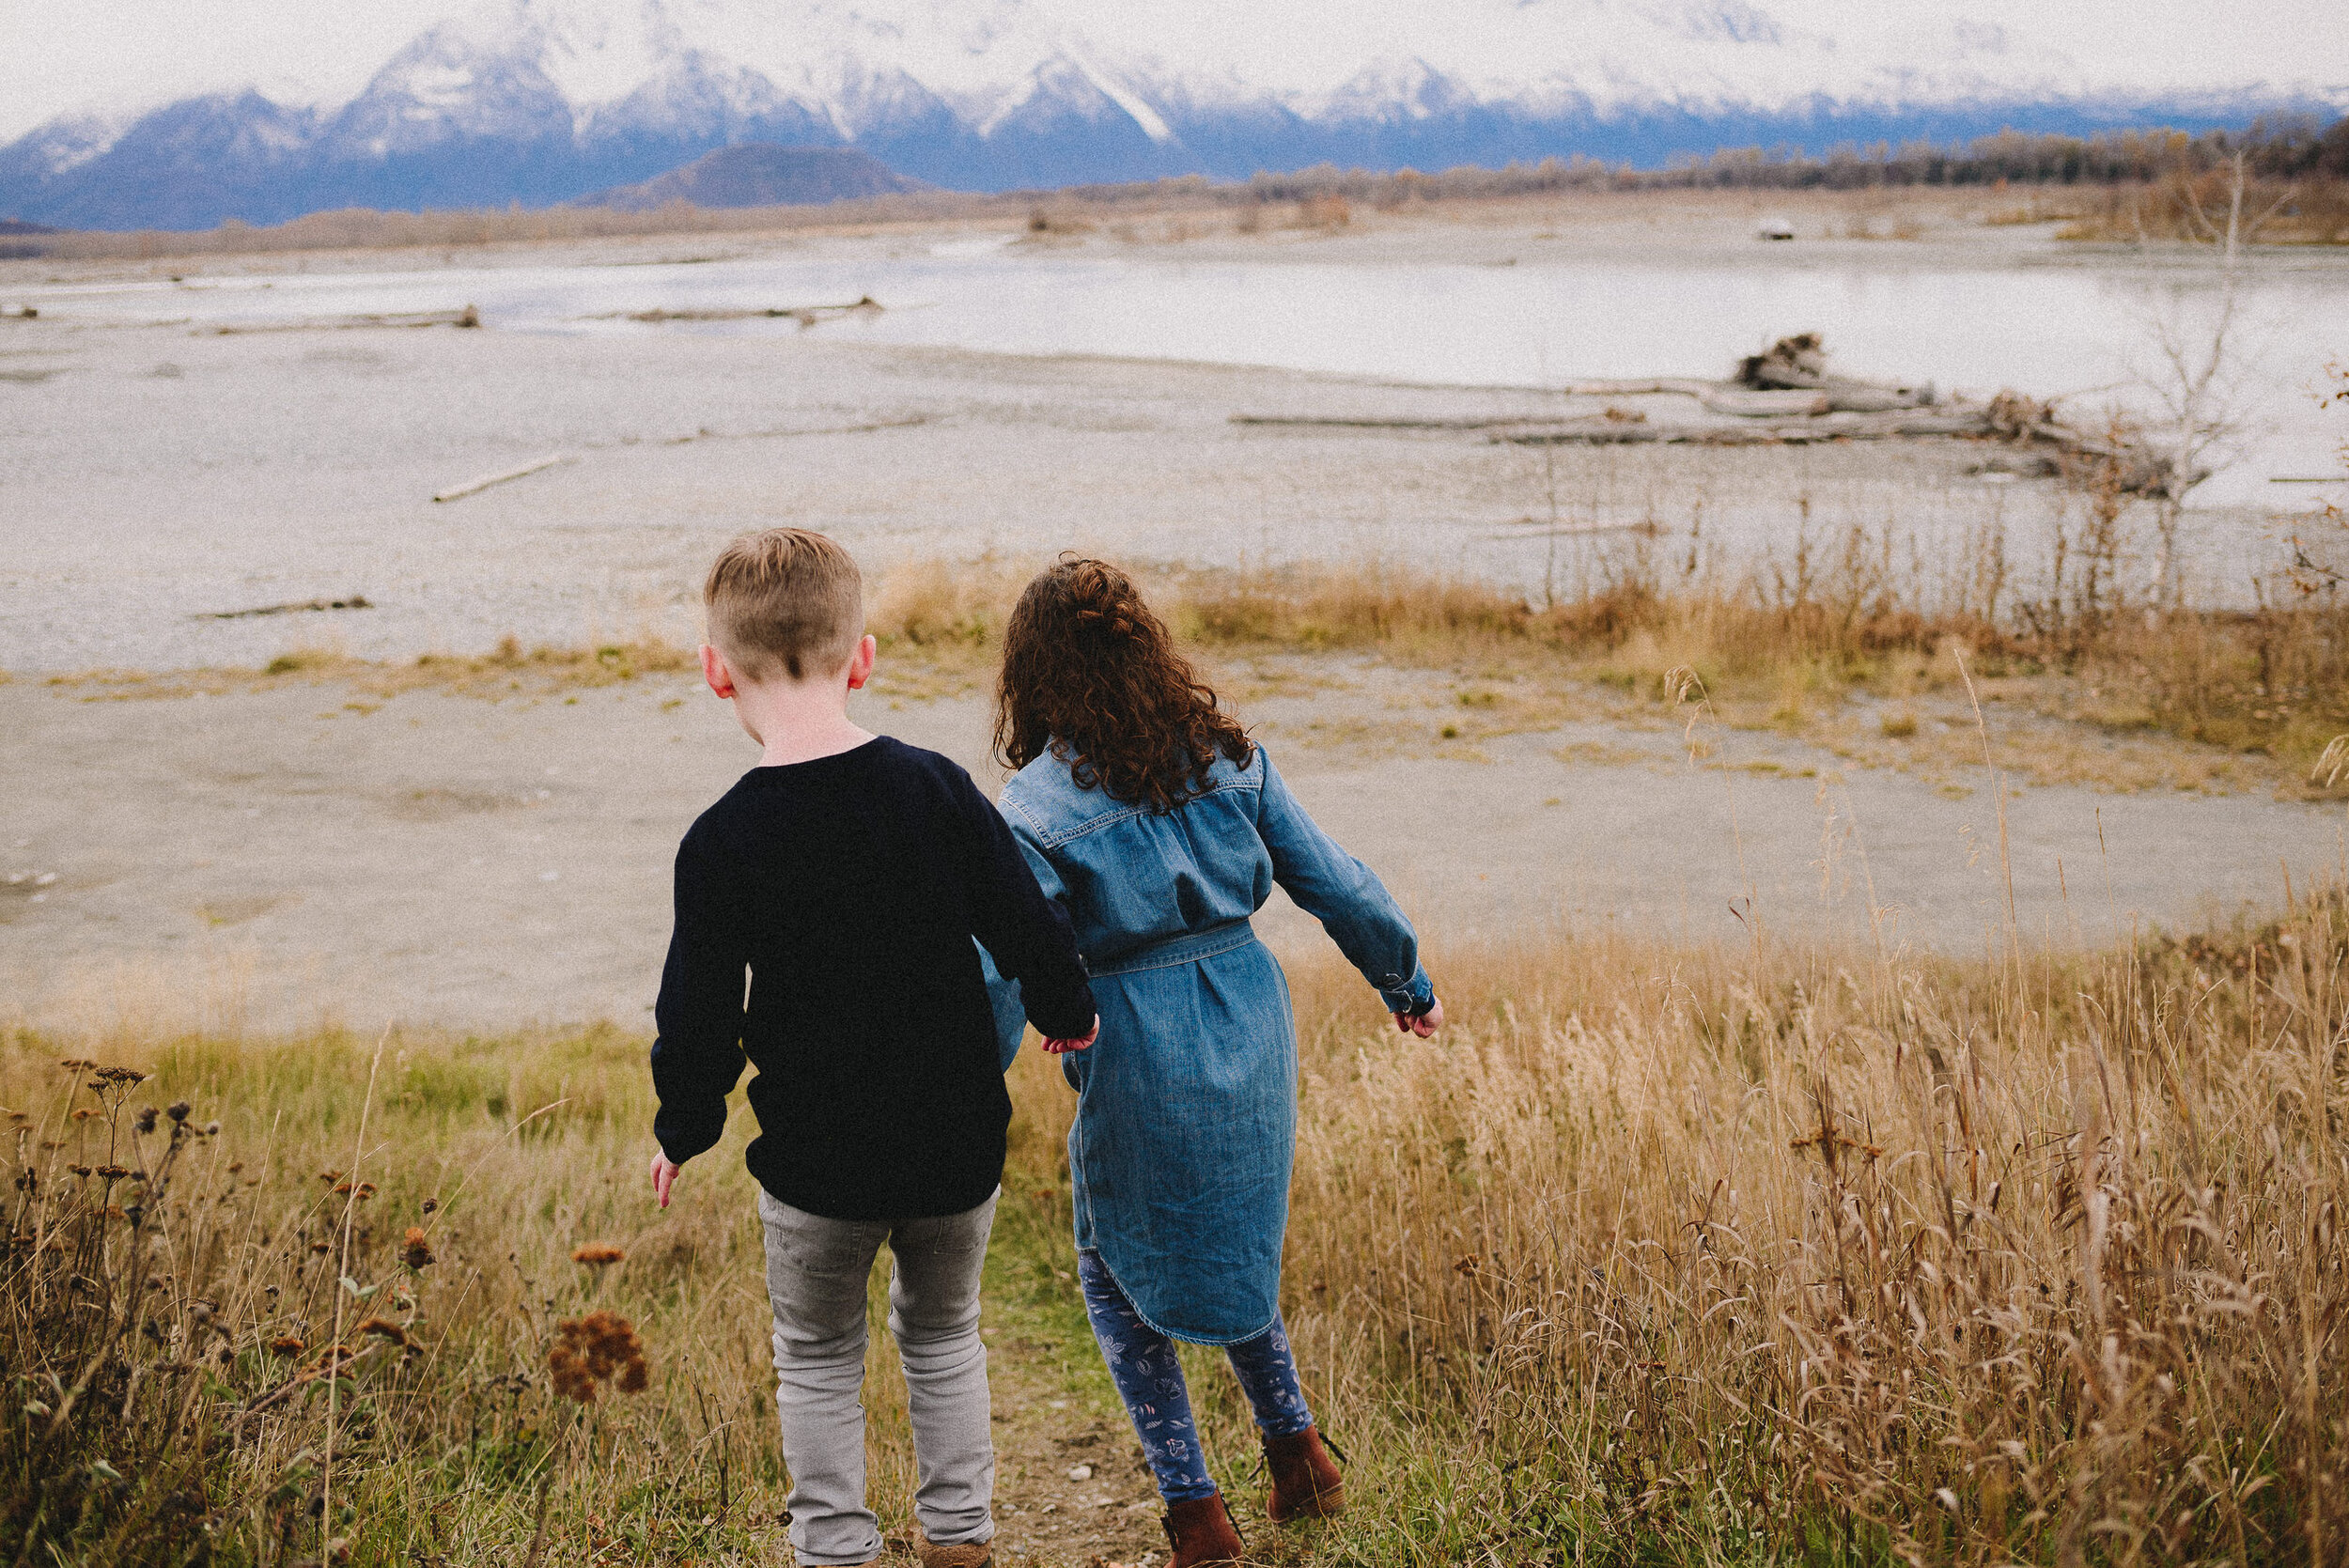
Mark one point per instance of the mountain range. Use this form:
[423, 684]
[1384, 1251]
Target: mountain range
[760, 174]
[541, 102]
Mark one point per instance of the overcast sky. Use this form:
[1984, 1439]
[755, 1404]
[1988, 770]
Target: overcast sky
[110, 56]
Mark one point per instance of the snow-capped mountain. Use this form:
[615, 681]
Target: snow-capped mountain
[540, 100]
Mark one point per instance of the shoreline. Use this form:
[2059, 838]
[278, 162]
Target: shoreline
[1977, 226]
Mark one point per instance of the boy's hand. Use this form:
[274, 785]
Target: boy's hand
[664, 1171]
[1060, 1048]
[1426, 1024]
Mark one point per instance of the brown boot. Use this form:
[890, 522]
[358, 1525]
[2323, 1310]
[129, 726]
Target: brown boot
[1305, 1483]
[967, 1554]
[1201, 1532]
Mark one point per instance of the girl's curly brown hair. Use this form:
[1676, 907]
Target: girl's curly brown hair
[1092, 675]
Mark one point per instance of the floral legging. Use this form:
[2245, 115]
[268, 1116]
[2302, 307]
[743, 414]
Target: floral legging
[1149, 1379]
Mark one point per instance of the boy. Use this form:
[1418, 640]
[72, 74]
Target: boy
[848, 875]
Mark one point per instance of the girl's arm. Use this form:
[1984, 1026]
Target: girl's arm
[1352, 905]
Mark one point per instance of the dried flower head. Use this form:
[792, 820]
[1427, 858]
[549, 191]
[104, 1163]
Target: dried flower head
[431, 1204]
[600, 1347]
[416, 1249]
[178, 1110]
[383, 1327]
[597, 1253]
[144, 1121]
[286, 1344]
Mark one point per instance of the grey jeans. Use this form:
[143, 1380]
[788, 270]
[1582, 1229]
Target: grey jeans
[817, 1270]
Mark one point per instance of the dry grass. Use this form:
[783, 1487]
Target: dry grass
[329, 1323]
[2256, 696]
[1657, 1255]
[507, 670]
[2305, 212]
[1782, 1255]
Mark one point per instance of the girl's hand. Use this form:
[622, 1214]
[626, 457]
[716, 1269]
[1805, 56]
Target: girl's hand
[1426, 1024]
[1062, 1047]
[663, 1172]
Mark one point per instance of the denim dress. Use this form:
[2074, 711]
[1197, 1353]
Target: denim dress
[1186, 1124]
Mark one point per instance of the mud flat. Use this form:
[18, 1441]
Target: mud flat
[271, 858]
[155, 482]
[1020, 393]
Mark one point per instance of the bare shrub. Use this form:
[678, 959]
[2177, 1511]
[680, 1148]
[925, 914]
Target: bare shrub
[1326, 211]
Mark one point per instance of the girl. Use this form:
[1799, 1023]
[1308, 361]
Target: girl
[1164, 829]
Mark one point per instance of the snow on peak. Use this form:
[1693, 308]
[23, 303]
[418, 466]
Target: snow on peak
[402, 75]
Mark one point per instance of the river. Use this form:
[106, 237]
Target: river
[2087, 327]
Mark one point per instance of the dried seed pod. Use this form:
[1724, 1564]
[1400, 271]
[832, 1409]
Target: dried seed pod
[416, 1249]
[600, 1347]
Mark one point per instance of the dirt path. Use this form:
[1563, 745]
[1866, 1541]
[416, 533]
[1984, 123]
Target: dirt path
[1071, 1489]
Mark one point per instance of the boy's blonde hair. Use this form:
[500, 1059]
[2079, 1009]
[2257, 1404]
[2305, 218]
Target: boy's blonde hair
[787, 599]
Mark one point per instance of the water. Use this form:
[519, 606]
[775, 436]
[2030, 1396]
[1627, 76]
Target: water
[2088, 331]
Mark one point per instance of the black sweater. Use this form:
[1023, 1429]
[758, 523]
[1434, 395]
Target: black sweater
[851, 887]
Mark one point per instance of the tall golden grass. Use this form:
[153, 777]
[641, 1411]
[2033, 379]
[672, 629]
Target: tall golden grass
[1788, 1255]
[1657, 1255]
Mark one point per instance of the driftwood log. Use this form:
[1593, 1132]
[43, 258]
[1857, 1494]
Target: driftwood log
[468, 319]
[806, 316]
[475, 487]
[1781, 432]
[1784, 396]
[2032, 448]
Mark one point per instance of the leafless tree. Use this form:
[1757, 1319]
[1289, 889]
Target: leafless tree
[2196, 382]
[2320, 538]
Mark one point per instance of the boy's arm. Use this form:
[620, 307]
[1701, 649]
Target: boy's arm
[1026, 933]
[697, 1056]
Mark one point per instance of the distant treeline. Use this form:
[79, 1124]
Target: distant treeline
[2118, 184]
[2293, 148]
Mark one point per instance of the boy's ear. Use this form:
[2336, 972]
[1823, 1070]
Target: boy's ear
[861, 662]
[714, 671]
